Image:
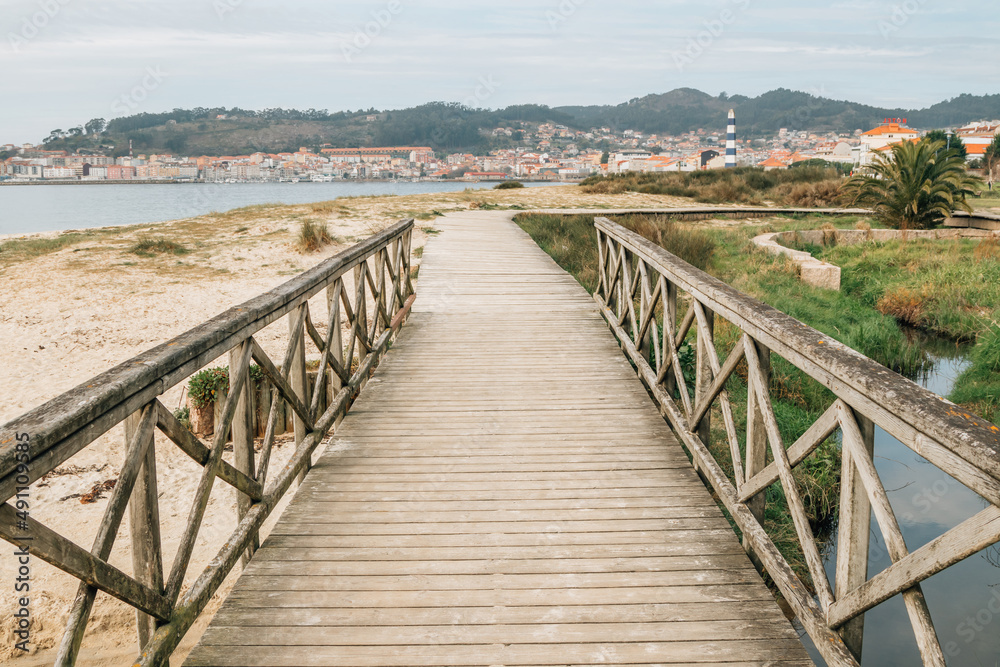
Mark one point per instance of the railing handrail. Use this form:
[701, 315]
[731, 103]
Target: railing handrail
[72, 420]
[130, 394]
[897, 404]
[638, 288]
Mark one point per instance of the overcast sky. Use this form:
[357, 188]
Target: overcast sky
[63, 62]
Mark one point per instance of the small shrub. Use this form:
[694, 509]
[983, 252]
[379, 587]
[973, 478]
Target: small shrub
[147, 247]
[508, 185]
[207, 385]
[313, 236]
[183, 415]
[822, 194]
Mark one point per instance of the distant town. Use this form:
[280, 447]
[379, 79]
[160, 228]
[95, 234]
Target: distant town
[553, 153]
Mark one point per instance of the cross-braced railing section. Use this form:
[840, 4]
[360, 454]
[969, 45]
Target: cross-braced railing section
[367, 311]
[656, 304]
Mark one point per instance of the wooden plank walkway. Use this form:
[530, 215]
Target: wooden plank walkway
[503, 493]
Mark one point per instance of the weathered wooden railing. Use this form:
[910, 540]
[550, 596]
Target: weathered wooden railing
[130, 393]
[638, 294]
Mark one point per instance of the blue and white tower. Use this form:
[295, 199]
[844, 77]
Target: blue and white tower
[731, 141]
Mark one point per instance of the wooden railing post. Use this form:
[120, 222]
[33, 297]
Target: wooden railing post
[243, 435]
[144, 526]
[669, 315]
[361, 311]
[336, 351]
[703, 375]
[853, 534]
[297, 378]
[756, 447]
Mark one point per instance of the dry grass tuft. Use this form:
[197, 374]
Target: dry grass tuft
[906, 305]
[148, 247]
[821, 194]
[313, 236]
[987, 250]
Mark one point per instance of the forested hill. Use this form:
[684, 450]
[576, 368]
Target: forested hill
[452, 127]
[685, 109]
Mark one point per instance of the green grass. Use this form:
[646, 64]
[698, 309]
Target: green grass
[840, 315]
[28, 248]
[948, 288]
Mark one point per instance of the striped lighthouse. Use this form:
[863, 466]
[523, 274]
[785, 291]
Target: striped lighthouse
[731, 141]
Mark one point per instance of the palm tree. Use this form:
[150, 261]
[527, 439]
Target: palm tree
[915, 186]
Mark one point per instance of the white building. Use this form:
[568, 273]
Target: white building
[882, 136]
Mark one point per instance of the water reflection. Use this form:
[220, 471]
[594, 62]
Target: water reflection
[964, 600]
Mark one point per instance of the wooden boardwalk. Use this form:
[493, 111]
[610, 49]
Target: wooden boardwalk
[503, 493]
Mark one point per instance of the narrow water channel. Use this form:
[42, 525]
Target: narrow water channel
[964, 600]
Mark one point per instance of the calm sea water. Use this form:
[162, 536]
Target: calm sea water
[45, 208]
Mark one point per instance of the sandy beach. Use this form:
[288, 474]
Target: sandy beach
[69, 314]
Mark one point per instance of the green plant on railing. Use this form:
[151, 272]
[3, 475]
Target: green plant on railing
[207, 385]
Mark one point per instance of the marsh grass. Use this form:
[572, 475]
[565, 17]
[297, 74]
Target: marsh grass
[810, 186]
[948, 288]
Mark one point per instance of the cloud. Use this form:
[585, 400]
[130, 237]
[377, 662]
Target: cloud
[268, 53]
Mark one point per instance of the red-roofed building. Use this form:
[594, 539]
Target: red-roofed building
[882, 136]
[773, 163]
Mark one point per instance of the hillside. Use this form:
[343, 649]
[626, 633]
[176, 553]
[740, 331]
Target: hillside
[452, 127]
